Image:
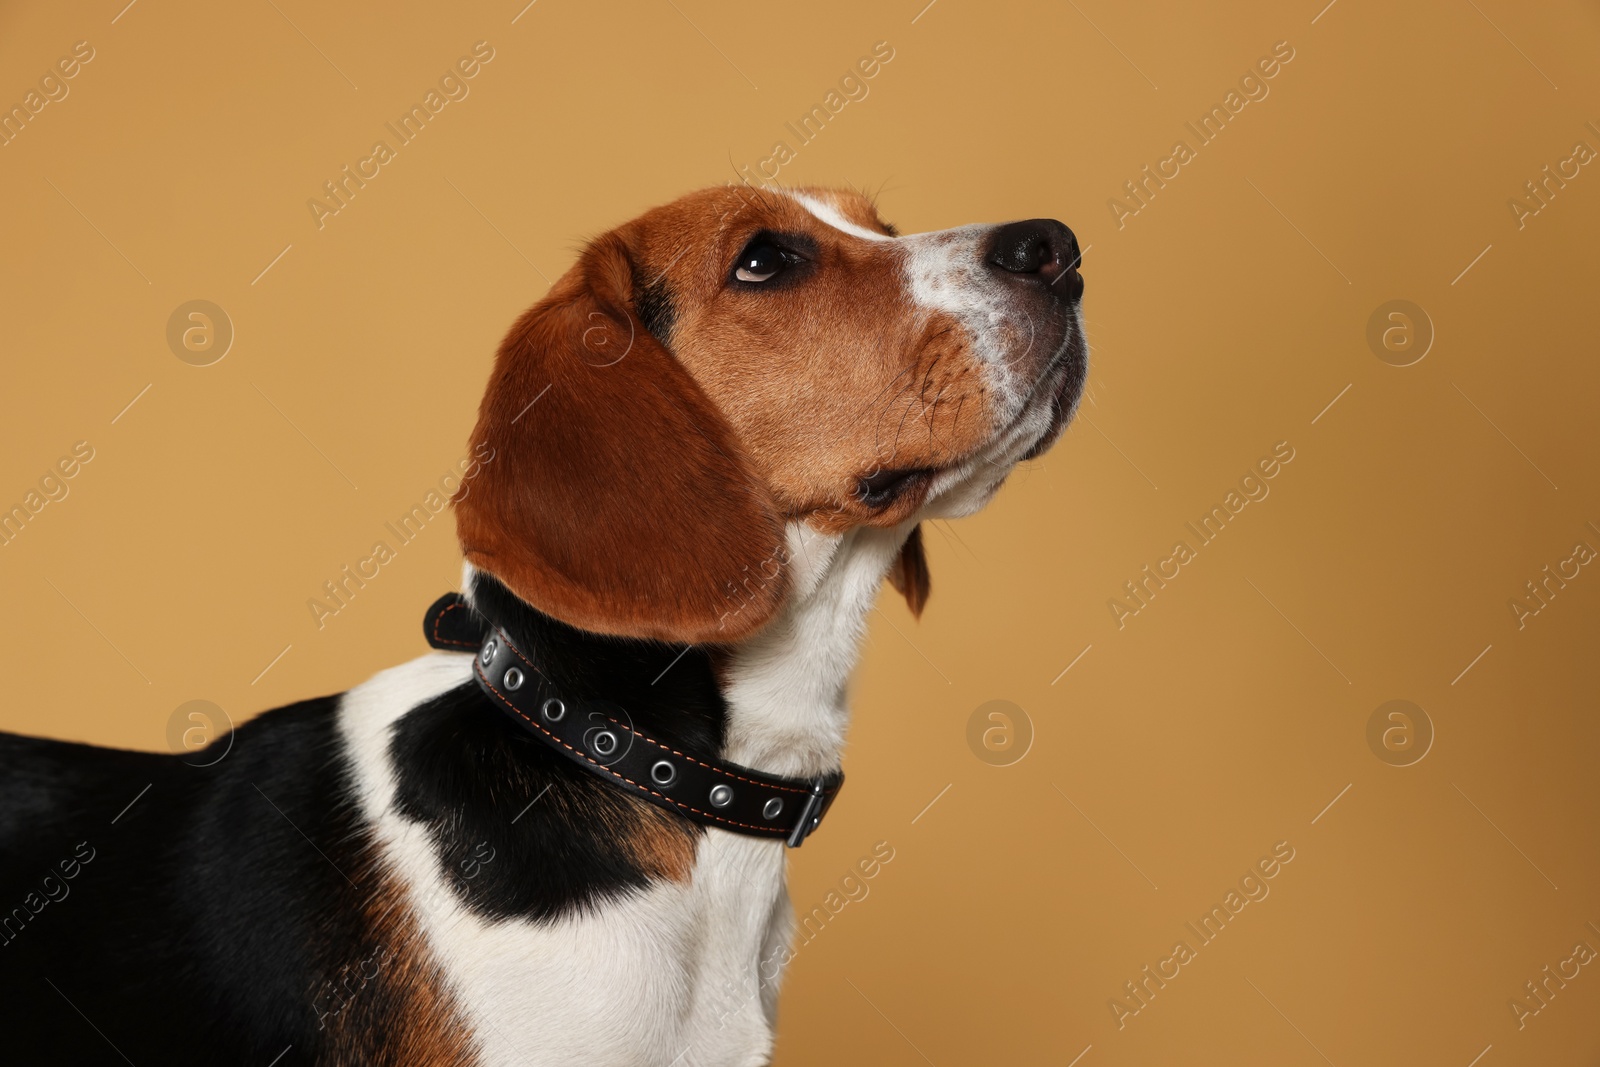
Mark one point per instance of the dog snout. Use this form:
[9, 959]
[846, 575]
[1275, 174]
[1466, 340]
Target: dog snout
[1043, 252]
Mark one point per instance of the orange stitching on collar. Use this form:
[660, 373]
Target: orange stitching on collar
[438, 620]
[501, 634]
[774, 830]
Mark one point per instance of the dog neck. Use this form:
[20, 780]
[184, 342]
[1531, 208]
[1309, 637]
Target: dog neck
[775, 702]
[786, 686]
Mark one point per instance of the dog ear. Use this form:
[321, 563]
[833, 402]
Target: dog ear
[618, 500]
[909, 572]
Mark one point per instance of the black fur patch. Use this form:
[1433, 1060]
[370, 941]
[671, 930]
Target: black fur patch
[209, 912]
[655, 309]
[485, 786]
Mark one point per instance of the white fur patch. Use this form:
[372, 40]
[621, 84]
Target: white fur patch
[826, 212]
[945, 272]
[786, 685]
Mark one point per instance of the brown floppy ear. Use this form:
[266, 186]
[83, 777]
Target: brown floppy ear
[617, 499]
[909, 572]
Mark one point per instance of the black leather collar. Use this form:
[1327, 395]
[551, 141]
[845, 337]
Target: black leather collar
[601, 737]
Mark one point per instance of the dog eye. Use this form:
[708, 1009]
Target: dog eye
[760, 262]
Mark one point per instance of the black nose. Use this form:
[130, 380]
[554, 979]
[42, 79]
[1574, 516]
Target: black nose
[1040, 248]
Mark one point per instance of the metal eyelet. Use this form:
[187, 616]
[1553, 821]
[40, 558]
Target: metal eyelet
[772, 808]
[553, 710]
[721, 796]
[603, 743]
[662, 772]
[487, 655]
[513, 679]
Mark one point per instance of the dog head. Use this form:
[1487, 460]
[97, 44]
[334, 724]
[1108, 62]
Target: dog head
[742, 360]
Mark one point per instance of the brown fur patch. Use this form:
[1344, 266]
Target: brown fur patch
[385, 1003]
[619, 500]
[909, 574]
[661, 844]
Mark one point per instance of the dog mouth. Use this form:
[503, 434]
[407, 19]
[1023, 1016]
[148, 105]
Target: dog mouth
[1055, 394]
[1071, 365]
[1040, 417]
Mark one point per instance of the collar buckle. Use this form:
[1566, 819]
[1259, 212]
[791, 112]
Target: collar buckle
[810, 815]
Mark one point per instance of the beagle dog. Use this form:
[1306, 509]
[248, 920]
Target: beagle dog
[560, 837]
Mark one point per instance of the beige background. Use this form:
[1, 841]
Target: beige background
[1225, 317]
